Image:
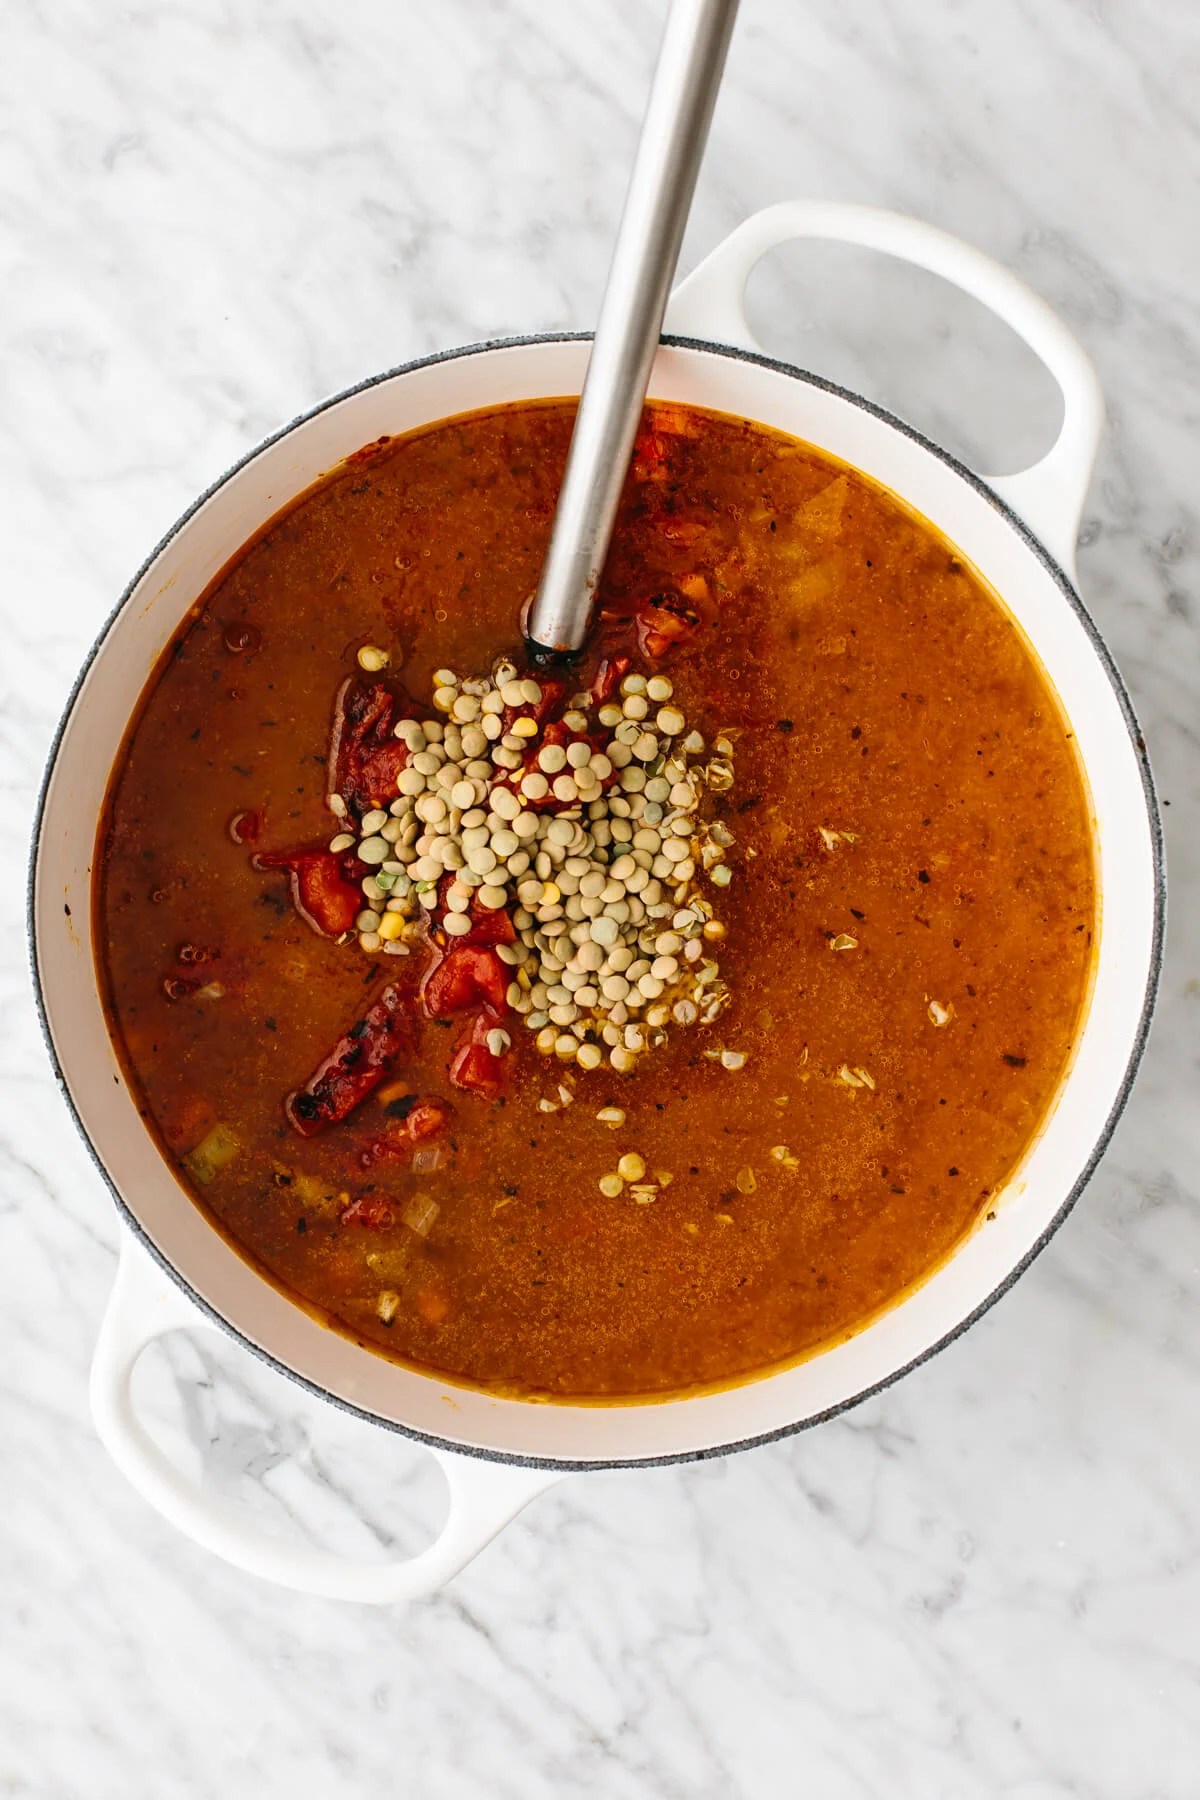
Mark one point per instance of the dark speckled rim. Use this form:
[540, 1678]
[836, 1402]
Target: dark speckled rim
[1136, 1051]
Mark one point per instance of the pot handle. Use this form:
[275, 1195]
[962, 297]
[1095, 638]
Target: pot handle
[145, 1304]
[1049, 496]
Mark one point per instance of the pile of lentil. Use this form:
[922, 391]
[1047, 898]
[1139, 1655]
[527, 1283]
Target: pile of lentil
[599, 846]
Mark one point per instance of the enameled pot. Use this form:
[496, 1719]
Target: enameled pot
[177, 1271]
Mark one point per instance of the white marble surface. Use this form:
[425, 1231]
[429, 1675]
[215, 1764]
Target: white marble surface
[986, 1582]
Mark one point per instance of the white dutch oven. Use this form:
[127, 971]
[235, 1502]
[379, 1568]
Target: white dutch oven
[176, 1270]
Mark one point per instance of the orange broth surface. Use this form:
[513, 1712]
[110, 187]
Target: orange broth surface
[874, 689]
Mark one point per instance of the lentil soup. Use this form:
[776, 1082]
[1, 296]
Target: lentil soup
[615, 1034]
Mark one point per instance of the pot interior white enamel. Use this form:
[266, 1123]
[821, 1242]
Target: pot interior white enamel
[1055, 1166]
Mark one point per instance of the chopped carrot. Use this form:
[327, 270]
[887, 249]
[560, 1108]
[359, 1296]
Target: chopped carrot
[432, 1305]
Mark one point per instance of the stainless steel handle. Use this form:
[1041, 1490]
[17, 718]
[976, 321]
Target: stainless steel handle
[665, 167]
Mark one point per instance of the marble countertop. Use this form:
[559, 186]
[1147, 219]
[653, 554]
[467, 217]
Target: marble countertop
[985, 1582]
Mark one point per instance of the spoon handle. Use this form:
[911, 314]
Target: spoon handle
[669, 150]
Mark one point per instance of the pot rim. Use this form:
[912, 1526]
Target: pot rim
[1137, 1046]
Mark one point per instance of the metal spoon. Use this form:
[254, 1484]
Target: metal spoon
[669, 150]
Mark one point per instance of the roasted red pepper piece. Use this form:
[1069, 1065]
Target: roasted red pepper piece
[365, 756]
[354, 1067]
[474, 1068]
[468, 975]
[324, 893]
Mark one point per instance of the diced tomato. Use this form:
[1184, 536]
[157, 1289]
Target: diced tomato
[428, 1119]
[608, 678]
[370, 453]
[687, 532]
[375, 1211]
[365, 756]
[467, 975]
[490, 925]
[649, 453]
[476, 1070]
[354, 1067]
[554, 732]
[246, 827]
[179, 987]
[663, 622]
[383, 1149]
[553, 694]
[323, 893]
[423, 1120]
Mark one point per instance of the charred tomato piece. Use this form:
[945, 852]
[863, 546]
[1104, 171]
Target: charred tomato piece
[354, 1067]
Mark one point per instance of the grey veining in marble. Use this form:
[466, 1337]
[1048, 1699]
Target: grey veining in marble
[984, 1583]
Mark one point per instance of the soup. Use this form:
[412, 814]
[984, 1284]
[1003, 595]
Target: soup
[615, 1032]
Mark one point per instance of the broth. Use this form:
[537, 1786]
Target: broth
[908, 921]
